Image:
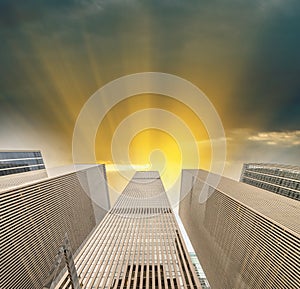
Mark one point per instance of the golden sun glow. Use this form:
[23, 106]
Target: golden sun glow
[151, 148]
[159, 152]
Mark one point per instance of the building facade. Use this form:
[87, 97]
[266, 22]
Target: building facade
[244, 237]
[199, 271]
[34, 219]
[19, 167]
[137, 245]
[280, 179]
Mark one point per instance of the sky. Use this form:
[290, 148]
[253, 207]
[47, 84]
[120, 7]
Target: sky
[244, 55]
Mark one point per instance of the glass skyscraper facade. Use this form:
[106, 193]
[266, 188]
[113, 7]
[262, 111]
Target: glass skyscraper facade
[20, 167]
[14, 162]
[279, 179]
[199, 271]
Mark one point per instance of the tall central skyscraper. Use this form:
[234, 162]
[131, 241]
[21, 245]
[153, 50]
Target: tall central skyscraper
[137, 245]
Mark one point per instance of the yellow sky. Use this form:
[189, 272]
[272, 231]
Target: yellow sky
[153, 148]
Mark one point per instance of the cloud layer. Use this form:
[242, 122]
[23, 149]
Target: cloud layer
[288, 138]
[243, 54]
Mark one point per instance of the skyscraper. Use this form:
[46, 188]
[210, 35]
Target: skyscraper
[280, 179]
[244, 237]
[137, 245]
[35, 217]
[18, 167]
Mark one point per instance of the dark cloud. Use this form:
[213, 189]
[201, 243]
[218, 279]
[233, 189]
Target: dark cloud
[269, 90]
[242, 54]
[16, 13]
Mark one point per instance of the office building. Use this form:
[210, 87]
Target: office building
[199, 271]
[137, 245]
[244, 237]
[35, 217]
[19, 167]
[280, 179]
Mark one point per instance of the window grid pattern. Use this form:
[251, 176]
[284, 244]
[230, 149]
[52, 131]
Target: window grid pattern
[240, 246]
[33, 221]
[20, 162]
[279, 179]
[137, 245]
[18, 168]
